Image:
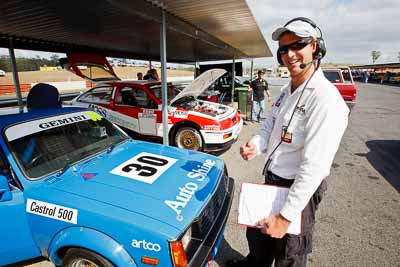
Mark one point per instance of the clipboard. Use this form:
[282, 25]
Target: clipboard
[258, 201]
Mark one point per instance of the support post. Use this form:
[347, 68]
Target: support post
[15, 76]
[251, 71]
[163, 47]
[233, 80]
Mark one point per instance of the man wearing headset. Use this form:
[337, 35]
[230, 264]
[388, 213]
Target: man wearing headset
[299, 139]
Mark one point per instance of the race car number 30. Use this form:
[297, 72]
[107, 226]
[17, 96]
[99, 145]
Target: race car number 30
[144, 167]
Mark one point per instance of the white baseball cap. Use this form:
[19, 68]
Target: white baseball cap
[298, 27]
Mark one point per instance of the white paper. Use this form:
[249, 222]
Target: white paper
[258, 201]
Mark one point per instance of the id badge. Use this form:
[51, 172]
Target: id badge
[286, 136]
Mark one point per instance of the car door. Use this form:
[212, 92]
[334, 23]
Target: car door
[99, 99]
[141, 107]
[16, 243]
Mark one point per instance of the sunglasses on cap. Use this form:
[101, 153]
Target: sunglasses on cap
[295, 46]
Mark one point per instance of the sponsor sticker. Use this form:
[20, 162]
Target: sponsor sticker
[88, 176]
[146, 245]
[52, 211]
[147, 115]
[180, 114]
[100, 110]
[212, 127]
[31, 127]
[148, 111]
[187, 191]
[144, 167]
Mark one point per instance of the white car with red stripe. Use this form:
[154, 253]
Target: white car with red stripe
[136, 105]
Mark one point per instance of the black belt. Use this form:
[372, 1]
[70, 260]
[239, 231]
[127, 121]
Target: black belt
[274, 179]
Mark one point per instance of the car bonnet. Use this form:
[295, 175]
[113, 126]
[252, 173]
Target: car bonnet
[200, 84]
[175, 193]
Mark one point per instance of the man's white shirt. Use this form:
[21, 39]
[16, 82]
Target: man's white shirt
[310, 143]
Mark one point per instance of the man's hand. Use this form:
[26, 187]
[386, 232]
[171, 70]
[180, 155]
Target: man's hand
[276, 226]
[248, 151]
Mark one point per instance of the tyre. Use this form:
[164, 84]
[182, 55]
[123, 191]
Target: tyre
[78, 257]
[188, 138]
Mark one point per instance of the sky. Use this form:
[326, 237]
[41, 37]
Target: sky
[352, 29]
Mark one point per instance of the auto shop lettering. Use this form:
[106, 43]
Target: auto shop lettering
[187, 191]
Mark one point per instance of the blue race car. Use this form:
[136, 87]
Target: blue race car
[76, 189]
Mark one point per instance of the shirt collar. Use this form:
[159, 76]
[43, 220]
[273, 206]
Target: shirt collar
[312, 84]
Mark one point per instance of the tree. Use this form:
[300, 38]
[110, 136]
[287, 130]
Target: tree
[375, 56]
[54, 59]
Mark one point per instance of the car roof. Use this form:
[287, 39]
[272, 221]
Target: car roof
[11, 116]
[129, 83]
[331, 69]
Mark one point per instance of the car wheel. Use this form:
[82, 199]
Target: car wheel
[78, 257]
[189, 138]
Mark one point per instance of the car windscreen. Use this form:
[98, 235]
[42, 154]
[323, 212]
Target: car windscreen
[50, 144]
[172, 91]
[332, 76]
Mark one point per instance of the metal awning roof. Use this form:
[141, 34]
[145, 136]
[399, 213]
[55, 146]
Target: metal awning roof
[375, 66]
[196, 30]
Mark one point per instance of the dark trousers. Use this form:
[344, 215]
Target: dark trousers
[291, 250]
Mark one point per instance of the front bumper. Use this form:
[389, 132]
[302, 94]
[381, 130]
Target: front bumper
[205, 249]
[214, 140]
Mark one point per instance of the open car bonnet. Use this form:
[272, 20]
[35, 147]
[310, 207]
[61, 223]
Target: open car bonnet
[200, 84]
[96, 68]
[92, 67]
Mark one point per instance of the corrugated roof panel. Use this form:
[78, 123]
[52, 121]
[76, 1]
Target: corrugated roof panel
[196, 30]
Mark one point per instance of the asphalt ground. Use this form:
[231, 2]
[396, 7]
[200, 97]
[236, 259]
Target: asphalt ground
[358, 221]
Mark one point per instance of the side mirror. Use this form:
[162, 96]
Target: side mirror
[5, 192]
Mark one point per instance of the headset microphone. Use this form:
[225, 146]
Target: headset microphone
[304, 65]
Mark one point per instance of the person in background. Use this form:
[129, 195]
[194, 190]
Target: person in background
[153, 75]
[299, 140]
[147, 75]
[366, 77]
[139, 76]
[259, 86]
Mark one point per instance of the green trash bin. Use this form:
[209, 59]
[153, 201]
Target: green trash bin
[244, 105]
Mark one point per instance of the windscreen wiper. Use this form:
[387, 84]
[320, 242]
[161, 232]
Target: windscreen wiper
[110, 148]
[65, 168]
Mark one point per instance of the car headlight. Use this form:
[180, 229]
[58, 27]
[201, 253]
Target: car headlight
[186, 238]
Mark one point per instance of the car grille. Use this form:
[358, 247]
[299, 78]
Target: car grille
[210, 212]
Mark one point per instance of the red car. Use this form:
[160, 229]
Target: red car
[136, 106]
[343, 80]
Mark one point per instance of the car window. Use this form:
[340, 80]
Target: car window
[172, 91]
[135, 97]
[44, 146]
[346, 76]
[126, 96]
[332, 76]
[99, 95]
